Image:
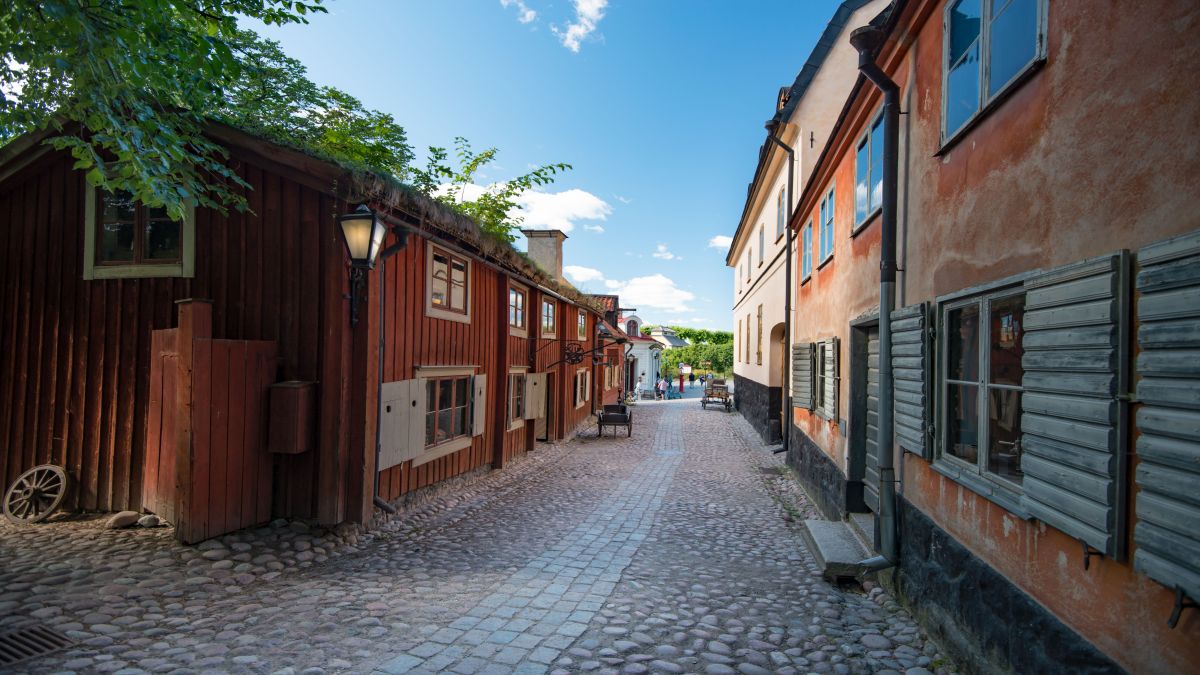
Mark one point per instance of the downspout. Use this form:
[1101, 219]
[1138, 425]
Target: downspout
[785, 425]
[867, 40]
[402, 236]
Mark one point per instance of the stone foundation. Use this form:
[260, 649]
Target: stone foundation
[820, 476]
[760, 405]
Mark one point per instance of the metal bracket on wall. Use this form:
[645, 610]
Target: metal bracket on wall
[1088, 552]
[1182, 602]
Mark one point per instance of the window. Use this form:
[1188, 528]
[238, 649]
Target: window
[762, 242]
[827, 226]
[749, 257]
[516, 400]
[820, 374]
[448, 284]
[747, 338]
[988, 45]
[824, 372]
[583, 386]
[737, 352]
[516, 308]
[806, 253]
[759, 348]
[868, 173]
[581, 326]
[631, 328]
[447, 405]
[981, 385]
[126, 239]
[548, 329]
[780, 215]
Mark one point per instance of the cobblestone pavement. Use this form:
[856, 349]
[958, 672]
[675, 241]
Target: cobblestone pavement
[673, 551]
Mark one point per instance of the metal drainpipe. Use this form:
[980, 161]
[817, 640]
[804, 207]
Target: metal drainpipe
[867, 40]
[388, 252]
[785, 425]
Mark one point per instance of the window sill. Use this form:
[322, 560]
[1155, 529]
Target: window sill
[807, 278]
[516, 424]
[760, 263]
[824, 262]
[517, 332]
[448, 315]
[998, 100]
[549, 336]
[1006, 498]
[778, 237]
[137, 271]
[871, 218]
[438, 451]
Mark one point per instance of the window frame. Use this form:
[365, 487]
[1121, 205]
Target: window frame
[437, 381]
[551, 330]
[780, 214]
[515, 405]
[581, 326]
[184, 267]
[865, 140]
[444, 312]
[521, 294]
[806, 257]
[974, 476]
[583, 386]
[758, 348]
[986, 103]
[829, 199]
[762, 243]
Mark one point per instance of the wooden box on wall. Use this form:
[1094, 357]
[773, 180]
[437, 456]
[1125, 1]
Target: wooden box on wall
[292, 417]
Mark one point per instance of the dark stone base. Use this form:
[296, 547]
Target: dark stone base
[822, 479]
[760, 405]
[982, 620]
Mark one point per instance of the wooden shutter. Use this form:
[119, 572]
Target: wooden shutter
[802, 375]
[535, 396]
[910, 384]
[830, 371]
[1072, 420]
[401, 422]
[479, 405]
[1168, 446]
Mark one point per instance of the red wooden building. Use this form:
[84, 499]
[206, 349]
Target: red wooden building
[260, 398]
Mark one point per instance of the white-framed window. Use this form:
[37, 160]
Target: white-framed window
[749, 258]
[124, 239]
[583, 386]
[980, 384]
[447, 285]
[868, 173]
[780, 213]
[631, 328]
[447, 409]
[827, 226]
[762, 242]
[988, 45]
[548, 326]
[806, 244]
[820, 374]
[758, 348]
[737, 352]
[516, 399]
[581, 326]
[517, 299]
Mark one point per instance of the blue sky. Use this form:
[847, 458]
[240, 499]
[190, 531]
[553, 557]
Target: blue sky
[658, 105]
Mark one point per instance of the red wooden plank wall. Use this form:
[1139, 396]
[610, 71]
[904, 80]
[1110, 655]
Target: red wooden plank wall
[75, 355]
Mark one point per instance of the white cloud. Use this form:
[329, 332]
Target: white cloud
[720, 241]
[580, 275]
[524, 14]
[598, 229]
[550, 210]
[662, 253]
[587, 17]
[652, 292]
[623, 200]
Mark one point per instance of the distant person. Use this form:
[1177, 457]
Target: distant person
[662, 388]
[692, 380]
[637, 389]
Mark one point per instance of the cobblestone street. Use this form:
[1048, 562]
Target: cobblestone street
[672, 551]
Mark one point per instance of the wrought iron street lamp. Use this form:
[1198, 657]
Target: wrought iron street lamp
[363, 234]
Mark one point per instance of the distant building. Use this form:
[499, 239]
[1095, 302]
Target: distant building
[645, 356]
[667, 337]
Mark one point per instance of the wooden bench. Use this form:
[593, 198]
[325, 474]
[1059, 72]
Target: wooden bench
[614, 416]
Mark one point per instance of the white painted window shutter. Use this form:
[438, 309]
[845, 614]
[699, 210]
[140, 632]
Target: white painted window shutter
[535, 396]
[479, 406]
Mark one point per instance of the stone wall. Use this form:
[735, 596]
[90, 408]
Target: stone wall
[978, 616]
[760, 405]
[820, 476]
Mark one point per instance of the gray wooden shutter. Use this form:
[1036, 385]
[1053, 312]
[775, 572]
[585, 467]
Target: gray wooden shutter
[832, 380]
[479, 405]
[1072, 420]
[1168, 505]
[802, 375]
[910, 368]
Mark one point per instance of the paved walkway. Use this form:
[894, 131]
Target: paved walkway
[672, 551]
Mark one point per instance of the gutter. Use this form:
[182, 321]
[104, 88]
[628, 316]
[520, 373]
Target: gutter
[785, 424]
[867, 40]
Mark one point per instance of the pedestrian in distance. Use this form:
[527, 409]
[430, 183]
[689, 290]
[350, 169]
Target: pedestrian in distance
[637, 389]
[692, 380]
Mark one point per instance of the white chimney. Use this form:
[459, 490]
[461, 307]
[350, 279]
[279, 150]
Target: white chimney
[545, 247]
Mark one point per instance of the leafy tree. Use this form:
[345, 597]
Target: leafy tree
[139, 79]
[496, 208]
[697, 335]
[720, 356]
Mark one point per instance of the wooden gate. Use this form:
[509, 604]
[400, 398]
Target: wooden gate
[208, 470]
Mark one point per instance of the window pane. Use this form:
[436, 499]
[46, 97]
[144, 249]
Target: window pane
[116, 243]
[445, 394]
[460, 422]
[445, 425]
[162, 240]
[962, 420]
[962, 336]
[460, 390]
[1013, 40]
[962, 90]
[458, 286]
[430, 421]
[862, 167]
[1006, 334]
[439, 280]
[430, 395]
[118, 206]
[877, 164]
[1004, 433]
[964, 28]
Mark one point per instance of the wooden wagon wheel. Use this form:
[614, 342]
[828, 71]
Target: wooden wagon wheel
[35, 494]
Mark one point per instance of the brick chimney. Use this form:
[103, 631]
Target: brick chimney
[545, 248]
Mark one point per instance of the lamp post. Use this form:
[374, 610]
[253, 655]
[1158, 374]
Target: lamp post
[362, 233]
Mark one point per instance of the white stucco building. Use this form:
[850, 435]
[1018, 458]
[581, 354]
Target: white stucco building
[805, 113]
[645, 355]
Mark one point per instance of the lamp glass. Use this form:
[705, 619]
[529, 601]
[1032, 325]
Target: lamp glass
[364, 234]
